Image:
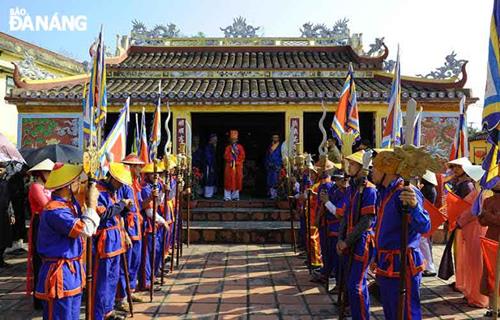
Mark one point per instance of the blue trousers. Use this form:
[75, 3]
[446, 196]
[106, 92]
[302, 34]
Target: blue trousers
[147, 246]
[106, 282]
[330, 257]
[357, 289]
[302, 232]
[133, 255]
[62, 309]
[389, 293]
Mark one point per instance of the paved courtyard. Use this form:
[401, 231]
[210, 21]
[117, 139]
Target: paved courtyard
[239, 282]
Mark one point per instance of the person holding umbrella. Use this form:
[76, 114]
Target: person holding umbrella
[38, 197]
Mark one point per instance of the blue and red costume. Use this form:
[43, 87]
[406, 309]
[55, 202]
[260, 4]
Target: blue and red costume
[325, 243]
[109, 244]
[133, 227]
[60, 245]
[388, 244]
[146, 204]
[361, 249]
[331, 262]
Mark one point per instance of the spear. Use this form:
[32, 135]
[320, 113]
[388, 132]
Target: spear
[94, 115]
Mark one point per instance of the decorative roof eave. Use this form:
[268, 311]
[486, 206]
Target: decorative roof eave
[369, 59]
[58, 82]
[436, 83]
[76, 100]
[46, 84]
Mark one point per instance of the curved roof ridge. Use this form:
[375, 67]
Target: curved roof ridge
[439, 83]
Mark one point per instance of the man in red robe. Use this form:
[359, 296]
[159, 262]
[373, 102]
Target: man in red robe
[234, 156]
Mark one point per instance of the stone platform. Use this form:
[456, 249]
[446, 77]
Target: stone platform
[244, 222]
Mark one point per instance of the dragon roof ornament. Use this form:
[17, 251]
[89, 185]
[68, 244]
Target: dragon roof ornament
[240, 29]
[141, 35]
[28, 69]
[451, 68]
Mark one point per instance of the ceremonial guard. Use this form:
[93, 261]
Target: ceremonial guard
[63, 225]
[334, 202]
[356, 233]
[210, 167]
[134, 228]
[394, 196]
[147, 195]
[111, 240]
[326, 167]
[274, 163]
[234, 156]
[313, 244]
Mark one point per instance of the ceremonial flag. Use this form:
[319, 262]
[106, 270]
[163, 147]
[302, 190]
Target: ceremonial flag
[97, 95]
[143, 145]
[460, 146]
[392, 132]
[455, 206]
[491, 110]
[489, 248]
[490, 162]
[137, 141]
[346, 119]
[436, 215]
[88, 127]
[114, 148]
[156, 129]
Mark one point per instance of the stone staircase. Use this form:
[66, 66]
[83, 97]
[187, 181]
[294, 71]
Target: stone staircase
[245, 221]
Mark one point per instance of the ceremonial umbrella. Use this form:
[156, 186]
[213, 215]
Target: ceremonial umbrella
[56, 152]
[8, 151]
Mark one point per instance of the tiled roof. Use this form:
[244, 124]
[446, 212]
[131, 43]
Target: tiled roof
[221, 90]
[242, 74]
[246, 58]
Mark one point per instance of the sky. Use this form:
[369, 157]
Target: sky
[426, 30]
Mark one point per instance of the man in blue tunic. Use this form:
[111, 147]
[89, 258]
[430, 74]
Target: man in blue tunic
[393, 196]
[334, 202]
[111, 240]
[210, 167]
[356, 233]
[63, 227]
[161, 226]
[274, 162]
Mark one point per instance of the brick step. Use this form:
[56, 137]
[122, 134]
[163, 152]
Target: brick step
[239, 214]
[248, 232]
[256, 203]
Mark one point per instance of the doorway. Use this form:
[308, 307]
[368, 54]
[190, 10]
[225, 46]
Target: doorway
[255, 130]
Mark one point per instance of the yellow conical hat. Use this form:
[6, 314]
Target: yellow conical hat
[148, 168]
[63, 175]
[120, 172]
[356, 157]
